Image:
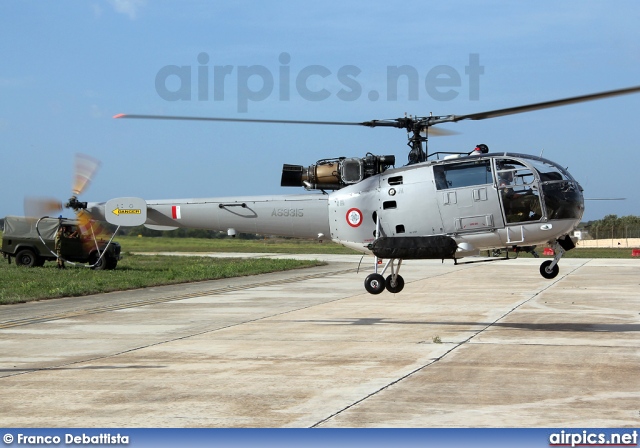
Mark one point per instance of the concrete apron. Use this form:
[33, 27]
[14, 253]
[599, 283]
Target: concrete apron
[477, 345]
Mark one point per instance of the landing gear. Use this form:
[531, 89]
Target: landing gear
[375, 283]
[395, 286]
[549, 269]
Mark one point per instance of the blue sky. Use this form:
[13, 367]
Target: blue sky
[69, 66]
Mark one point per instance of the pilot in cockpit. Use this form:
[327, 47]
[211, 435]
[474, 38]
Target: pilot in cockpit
[520, 202]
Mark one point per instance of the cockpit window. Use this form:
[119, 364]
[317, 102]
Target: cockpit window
[464, 174]
[563, 200]
[557, 196]
[562, 196]
[549, 172]
[513, 172]
[520, 198]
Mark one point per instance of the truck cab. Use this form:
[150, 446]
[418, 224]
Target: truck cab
[31, 243]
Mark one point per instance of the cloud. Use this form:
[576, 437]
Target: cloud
[127, 7]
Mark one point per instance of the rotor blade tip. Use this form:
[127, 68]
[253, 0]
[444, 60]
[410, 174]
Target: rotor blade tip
[119, 116]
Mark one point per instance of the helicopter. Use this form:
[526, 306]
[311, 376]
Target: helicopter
[437, 206]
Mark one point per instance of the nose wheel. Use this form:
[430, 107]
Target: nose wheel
[548, 271]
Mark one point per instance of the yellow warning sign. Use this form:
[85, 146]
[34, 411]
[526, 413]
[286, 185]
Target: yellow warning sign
[126, 211]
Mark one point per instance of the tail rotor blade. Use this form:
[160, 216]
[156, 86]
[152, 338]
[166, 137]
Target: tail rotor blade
[84, 222]
[86, 167]
[91, 230]
[37, 207]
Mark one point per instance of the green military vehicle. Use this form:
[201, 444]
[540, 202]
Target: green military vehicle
[20, 240]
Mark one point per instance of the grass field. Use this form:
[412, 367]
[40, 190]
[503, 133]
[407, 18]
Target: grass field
[21, 284]
[293, 246]
[277, 245]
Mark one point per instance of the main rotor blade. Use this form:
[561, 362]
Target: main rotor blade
[437, 132]
[543, 105]
[241, 120]
[395, 123]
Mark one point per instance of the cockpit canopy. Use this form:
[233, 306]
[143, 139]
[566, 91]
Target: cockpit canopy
[531, 188]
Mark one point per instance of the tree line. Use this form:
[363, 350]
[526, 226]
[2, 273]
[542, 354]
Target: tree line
[612, 226]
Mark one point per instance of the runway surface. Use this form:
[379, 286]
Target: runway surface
[475, 345]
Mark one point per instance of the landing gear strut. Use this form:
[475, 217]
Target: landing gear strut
[375, 283]
[549, 269]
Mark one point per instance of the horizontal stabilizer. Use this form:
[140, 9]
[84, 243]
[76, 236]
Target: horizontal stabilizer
[160, 228]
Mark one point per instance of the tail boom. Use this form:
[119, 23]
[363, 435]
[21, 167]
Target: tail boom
[302, 216]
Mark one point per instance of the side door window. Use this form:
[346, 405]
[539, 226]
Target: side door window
[518, 191]
[464, 174]
[466, 197]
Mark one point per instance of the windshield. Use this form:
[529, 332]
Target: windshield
[562, 194]
[563, 200]
[532, 186]
[549, 171]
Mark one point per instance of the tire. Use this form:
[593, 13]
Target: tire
[39, 261]
[111, 263]
[27, 258]
[103, 262]
[549, 274]
[399, 284]
[374, 283]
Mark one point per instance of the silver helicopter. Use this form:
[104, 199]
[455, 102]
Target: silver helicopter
[438, 206]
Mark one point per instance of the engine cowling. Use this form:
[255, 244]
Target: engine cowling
[334, 174]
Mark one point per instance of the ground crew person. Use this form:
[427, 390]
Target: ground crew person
[63, 233]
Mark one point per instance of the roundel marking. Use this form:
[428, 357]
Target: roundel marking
[354, 217]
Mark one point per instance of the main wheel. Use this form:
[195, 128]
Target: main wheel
[399, 284]
[547, 272]
[26, 257]
[374, 283]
